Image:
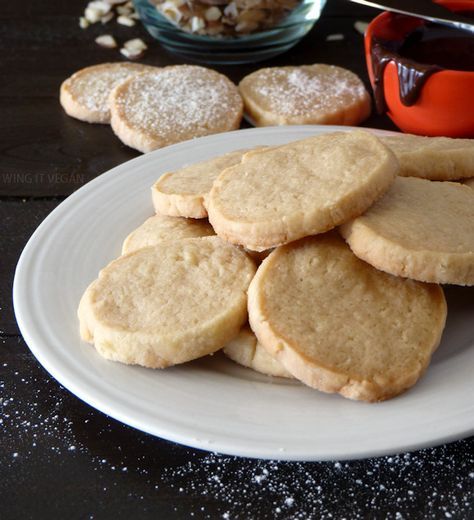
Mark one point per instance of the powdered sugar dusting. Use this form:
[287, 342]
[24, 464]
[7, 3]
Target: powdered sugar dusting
[300, 91]
[180, 102]
[45, 428]
[388, 487]
[92, 87]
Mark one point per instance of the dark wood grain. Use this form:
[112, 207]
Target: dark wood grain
[19, 218]
[43, 152]
[59, 457]
[116, 471]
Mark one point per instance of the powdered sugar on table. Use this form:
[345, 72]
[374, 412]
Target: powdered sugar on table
[44, 426]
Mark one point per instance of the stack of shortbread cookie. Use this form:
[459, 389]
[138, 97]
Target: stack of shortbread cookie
[279, 289]
[150, 107]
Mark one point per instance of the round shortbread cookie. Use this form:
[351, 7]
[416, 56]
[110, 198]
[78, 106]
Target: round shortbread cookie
[308, 94]
[245, 350]
[435, 158]
[85, 95]
[303, 188]
[420, 229]
[167, 304]
[469, 182]
[173, 104]
[159, 228]
[339, 325]
[182, 193]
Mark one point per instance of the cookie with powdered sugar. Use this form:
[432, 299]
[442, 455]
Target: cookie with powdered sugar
[308, 94]
[173, 104]
[85, 95]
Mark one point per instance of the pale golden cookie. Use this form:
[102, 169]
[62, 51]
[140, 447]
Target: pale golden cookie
[339, 325]
[174, 104]
[307, 94]
[303, 188]
[85, 95]
[245, 350]
[167, 304]
[182, 193]
[435, 158]
[258, 256]
[159, 228]
[420, 229]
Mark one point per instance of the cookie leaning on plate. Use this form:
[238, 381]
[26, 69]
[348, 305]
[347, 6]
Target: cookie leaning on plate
[339, 325]
[167, 304]
[159, 228]
[435, 158]
[182, 193]
[173, 104]
[85, 95]
[245, 350]
[419, 229]
[308, 94]
[302, 188]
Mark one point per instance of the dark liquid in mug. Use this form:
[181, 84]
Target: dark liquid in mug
[428, 49]
[439, 45]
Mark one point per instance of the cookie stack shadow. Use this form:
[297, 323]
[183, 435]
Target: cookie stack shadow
[319, 260]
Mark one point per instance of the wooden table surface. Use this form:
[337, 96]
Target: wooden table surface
[59, 458]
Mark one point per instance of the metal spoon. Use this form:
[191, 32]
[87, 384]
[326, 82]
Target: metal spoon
[424, 9]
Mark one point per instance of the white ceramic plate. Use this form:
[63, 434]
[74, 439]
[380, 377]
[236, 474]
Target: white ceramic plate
[212, 403]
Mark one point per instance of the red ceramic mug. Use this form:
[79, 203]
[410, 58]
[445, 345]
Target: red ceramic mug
[445, 105]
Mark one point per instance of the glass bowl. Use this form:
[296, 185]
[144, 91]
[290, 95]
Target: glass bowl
[246, 48]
